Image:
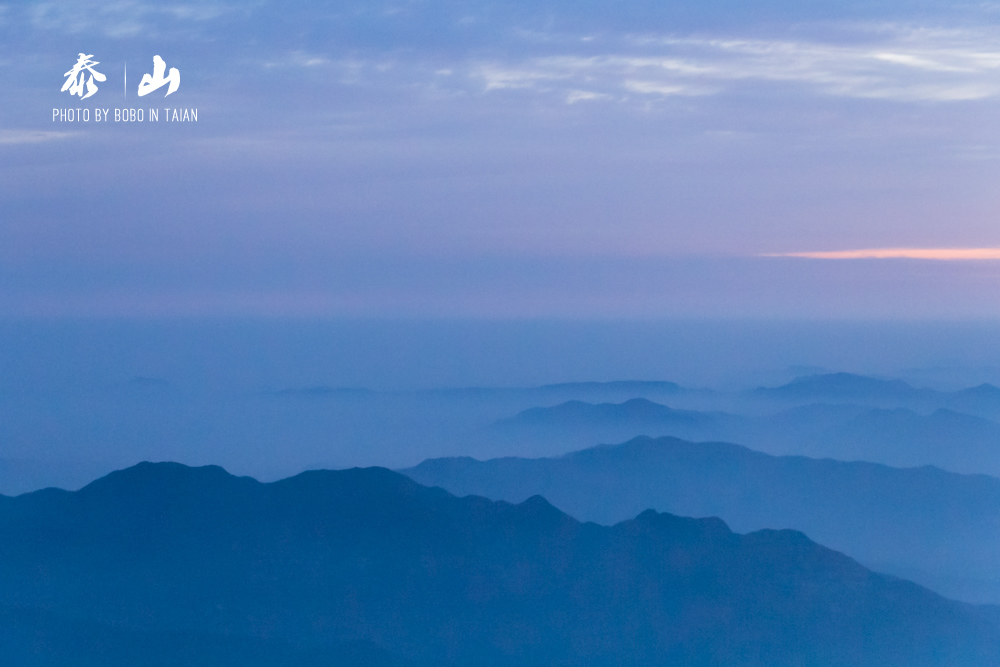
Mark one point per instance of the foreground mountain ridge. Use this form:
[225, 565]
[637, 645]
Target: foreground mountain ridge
[366, 557]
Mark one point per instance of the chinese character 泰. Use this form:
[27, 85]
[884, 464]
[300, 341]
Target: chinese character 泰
[77, 75]
[151, 83]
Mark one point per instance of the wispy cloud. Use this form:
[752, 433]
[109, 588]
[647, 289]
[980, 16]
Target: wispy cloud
[864, 61]
[575, 96]
[299, 59]
[119, 18]
[890, 62]
[944, 254]
[31, 136]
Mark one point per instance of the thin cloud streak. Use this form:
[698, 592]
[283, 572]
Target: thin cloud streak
[894, 63]
[32, 136]
[943, 254]
[905, 65]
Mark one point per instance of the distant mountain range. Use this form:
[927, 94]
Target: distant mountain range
[573, 416]
[575, 420]
[940, 529]
[162, 564]
[898, 436]
[618, 388]
[983, 400]
[845, 386]
[44, 434]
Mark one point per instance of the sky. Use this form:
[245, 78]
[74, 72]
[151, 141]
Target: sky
[487, 159]
[425, 194]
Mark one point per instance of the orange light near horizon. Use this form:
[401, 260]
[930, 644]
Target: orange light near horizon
[946, 254]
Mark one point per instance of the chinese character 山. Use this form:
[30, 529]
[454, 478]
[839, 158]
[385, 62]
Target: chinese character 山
[151, 83]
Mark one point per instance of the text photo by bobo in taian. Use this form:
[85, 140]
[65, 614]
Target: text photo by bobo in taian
[131, 115]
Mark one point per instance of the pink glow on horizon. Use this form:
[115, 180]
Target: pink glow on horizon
[950, 254]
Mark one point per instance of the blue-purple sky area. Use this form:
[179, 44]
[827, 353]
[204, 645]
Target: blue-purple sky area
[552, 158]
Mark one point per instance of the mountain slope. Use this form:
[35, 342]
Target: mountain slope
[330, 559]
[937, 528]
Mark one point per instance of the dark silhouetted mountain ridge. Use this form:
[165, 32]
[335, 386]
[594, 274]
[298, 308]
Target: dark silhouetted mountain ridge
[327, 560]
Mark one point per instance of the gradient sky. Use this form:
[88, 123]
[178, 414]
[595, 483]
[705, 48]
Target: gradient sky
[506, 159]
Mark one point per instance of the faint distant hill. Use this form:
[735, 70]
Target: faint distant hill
[162, 564]
[574, 417]
[984, 392]
[619, 390]
[937, 528]
[959, 442]
[844, 386]
[20, 475]
[983, 400]
[576, 424]
[323, 391]
[901, 437]
[627, 386]
[577, 413]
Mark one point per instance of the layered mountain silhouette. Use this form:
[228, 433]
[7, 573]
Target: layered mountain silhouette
[898, 436]
[625, 386]
[956, 441]
[614, 390]
[845, 386]
[938, 528]
[983, 401]
[575, 418]
[194, 566]
[618, 389]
